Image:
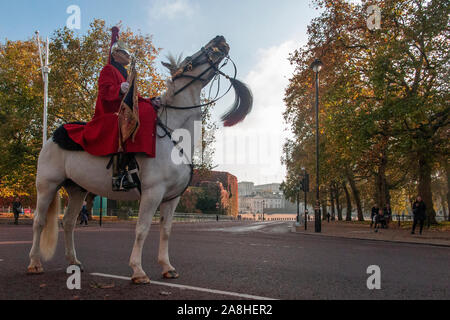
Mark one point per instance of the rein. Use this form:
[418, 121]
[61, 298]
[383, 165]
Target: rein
[181, 74]
[168, 133]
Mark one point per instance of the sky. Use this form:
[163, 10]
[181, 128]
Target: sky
[261, 34]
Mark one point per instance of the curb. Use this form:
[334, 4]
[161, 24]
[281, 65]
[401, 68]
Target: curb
[382, 240]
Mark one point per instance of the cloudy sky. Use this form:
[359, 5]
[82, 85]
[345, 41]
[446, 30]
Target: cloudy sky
[261, 34]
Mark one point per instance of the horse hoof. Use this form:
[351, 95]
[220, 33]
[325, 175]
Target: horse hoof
[172, 274]
[141, 280]
[79, 266]
[35, 270]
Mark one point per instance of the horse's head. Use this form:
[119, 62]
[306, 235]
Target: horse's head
[199, 69]
[201, 66]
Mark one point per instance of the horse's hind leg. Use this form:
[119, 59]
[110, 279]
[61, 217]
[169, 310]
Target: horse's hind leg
[167, 210]
[76, 198]
[46, 199]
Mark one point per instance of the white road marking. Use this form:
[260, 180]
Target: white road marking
[247, 228]
[1, 260]
[180, 286]
[15, 242]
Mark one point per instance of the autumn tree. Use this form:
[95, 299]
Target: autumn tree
[384, 114]
[76, 64]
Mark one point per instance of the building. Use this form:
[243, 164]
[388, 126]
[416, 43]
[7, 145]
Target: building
[274, 201]
[251, 204]
[246, 188]
[268, 188]
[253, 198]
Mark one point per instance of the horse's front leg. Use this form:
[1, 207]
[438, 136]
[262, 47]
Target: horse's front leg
[149, 204]
[167, 212]
[76, 198]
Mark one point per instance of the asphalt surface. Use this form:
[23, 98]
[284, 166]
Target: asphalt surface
[242, 260]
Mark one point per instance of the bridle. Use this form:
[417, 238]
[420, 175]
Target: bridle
[195, 62]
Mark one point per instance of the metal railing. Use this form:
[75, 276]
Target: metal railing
[178, 217]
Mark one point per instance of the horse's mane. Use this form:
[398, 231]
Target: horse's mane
[173, 61]
[243, 102]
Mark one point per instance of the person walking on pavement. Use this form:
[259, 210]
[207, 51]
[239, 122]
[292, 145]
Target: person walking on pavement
[373, 214]
[17, 210]
[84, 214]
[387, 214]
[420, 213]
[380, 220]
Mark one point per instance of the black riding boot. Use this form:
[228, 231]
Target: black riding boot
[121, 180]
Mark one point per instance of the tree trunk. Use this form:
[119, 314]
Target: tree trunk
[443, 204]
[338, 204]
[356, 196]
[349, 202]
[333, 209]
[447, 171]
[424, 187]
[382, 195]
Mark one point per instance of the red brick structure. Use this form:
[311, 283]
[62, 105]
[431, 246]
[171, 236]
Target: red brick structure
[221, 184]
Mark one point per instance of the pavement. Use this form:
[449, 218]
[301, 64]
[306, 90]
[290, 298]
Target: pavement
[363, 231]
[226, 260]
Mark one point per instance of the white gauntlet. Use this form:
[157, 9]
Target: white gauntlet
[124, 87]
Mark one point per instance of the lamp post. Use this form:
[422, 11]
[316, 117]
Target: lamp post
[316, 66]
[45, 72]
[263, 202]
[298, 188]
[306, 190]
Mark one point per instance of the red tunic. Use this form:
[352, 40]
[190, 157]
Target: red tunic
[100, 137]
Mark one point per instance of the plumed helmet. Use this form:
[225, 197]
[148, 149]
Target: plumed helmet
[116, 44]
[120, 45]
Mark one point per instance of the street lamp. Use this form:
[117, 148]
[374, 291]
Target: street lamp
[316, 66]
[298, 188]
[306, 190]
[263, 209]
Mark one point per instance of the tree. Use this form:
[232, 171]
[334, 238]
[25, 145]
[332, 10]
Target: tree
[384, 115]
[76, 64]
[20, 117]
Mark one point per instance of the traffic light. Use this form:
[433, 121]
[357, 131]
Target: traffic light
[301, 187]
[305, 182]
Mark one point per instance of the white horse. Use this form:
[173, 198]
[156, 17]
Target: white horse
[162, 180]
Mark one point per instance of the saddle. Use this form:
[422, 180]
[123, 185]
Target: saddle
[63, 140]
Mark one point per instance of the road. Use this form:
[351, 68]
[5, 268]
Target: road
[227, 261]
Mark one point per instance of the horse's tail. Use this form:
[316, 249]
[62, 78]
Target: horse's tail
[49, 235]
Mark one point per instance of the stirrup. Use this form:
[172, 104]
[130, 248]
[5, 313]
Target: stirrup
[127, 181]
[117, 184]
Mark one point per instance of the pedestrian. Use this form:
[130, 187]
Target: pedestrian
[328, 217]
[17, 210]
[420, 213]
[84, 214]
[373, 214]
[380, 220]
[387, 214]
